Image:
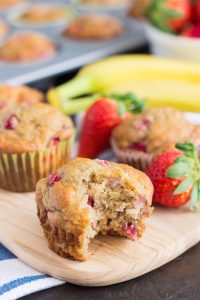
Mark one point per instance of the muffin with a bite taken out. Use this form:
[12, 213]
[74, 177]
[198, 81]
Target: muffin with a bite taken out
[35, 139]
[139, 140]
[89, 197]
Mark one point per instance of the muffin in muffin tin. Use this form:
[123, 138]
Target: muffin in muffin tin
[138, 140]
[4, 28]
[35, 139]
[18, 94]
[27, 46]
[5, 4]
[87, 197]
[94, 27]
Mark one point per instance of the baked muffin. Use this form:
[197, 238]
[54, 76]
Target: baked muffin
[87, 197]
[138, 140]
[35, 139]
[4, 4]
[27, 47]
[19, 94]
[104, 3]
[44, 14]
[3, 28]
[94, 27]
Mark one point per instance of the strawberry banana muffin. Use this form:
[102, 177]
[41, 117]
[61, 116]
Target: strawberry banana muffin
[4, 4]
[94, 27]
[35, 140]
[139, 140]
[3, 28]
[44, 14]
[19, 94]
[27, 47]
[87, 197]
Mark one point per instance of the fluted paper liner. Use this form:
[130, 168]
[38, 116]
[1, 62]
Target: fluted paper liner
[20, 172]
[138, 160]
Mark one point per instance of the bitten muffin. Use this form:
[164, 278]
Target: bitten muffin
[94, 27]
[4, 28]
[87, 197]
[104, 3]
[35, 140]
[44, 14]
[19, 94]
[4, 4]
[27, 47]
[138, 140]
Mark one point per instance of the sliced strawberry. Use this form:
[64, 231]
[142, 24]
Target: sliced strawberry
[192, 31]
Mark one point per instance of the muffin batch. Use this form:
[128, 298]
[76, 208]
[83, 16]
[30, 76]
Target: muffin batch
[75, 35]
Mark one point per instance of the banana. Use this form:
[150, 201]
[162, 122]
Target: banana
[184, 96]
[142, 71]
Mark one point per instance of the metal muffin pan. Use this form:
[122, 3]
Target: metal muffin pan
[71, 54]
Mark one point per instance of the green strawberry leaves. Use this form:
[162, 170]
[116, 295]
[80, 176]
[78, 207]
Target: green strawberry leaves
[188, 167]
[128, 101]
[184, 186]
[179, 169]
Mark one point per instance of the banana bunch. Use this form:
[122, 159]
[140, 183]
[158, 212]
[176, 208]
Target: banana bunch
[160, 81]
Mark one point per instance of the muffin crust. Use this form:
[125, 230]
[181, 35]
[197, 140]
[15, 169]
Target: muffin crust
[94, 27]
[27, 128]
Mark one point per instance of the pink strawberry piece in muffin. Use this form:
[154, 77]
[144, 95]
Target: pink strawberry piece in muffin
[11, 122]
[55, 141]
[90, 201]
[53, 178]
[138, 147]
[103, 163]
[130, 230]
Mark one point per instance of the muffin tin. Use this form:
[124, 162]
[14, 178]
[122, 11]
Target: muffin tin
[70, 54]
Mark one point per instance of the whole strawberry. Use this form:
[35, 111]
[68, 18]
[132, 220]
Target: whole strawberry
[176, 177]
[170, 15]
[101, 118]
[192, 31]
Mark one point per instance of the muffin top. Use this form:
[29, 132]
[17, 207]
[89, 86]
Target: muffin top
[94, 26]
[72, 179]
[103, 3]
[3, 28]
[18, 94]
[26, 128]
[9, 3]
[154, 131]
[43, 14]
[26, 47]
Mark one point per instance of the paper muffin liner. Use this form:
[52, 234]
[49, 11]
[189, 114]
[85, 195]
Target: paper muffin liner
[20, 172]
[138, 160]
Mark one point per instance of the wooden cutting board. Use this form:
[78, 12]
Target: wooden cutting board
[169, 233]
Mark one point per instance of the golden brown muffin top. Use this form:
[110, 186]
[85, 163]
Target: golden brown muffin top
[3, 28]
[63, 190]
[154, 131]
[94, 26]
[8, 3]
[26, 128]
[26, 47]
[18, 94]
[43, 14]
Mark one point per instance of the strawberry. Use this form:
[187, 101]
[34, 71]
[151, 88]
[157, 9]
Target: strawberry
[101, 118]
[192, 31]
[195, 11]
[176, 177]
[170, 15]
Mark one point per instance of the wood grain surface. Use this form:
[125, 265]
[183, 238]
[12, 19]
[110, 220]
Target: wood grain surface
[169, 233]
